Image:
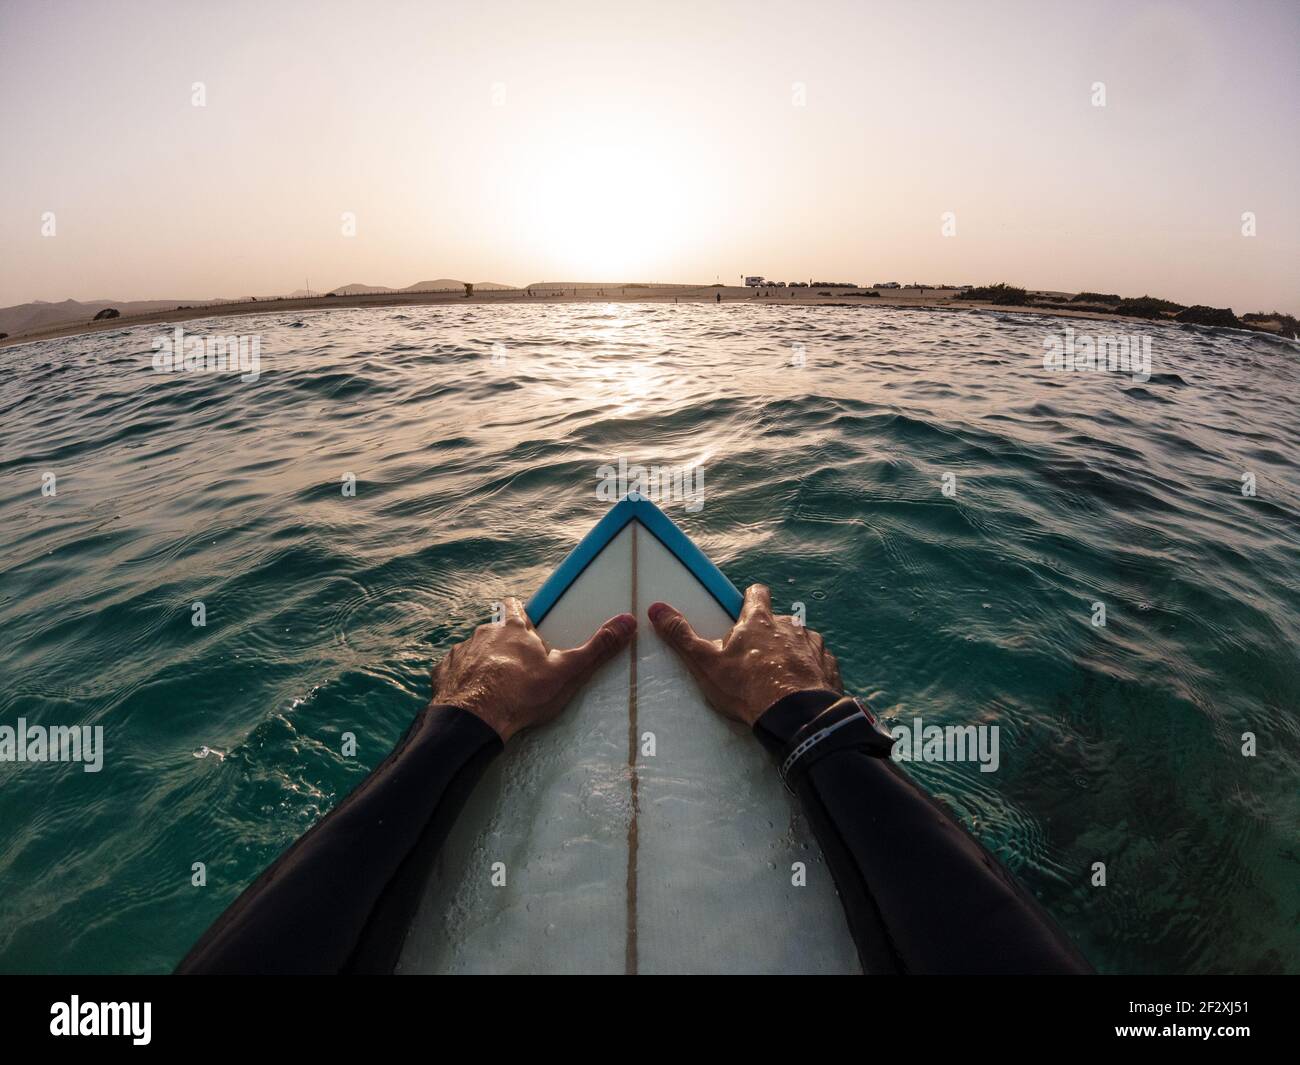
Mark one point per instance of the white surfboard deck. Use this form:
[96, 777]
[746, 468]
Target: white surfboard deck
[615, 859]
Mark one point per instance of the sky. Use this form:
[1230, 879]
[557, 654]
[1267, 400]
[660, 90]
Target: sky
[388, 143]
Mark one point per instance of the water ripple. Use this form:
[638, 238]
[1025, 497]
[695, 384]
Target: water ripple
[827, 436]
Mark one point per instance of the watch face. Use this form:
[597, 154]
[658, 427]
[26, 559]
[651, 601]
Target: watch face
[874, 721]
[866, 710]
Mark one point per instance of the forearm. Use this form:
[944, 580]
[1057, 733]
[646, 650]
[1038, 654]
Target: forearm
[341, 898]
[921, 895]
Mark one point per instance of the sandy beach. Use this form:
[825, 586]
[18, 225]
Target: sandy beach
[937, 299]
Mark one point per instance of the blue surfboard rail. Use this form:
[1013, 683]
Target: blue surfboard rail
[658, 524]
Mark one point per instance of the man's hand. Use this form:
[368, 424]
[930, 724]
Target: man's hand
[507, 675]
[762, 659]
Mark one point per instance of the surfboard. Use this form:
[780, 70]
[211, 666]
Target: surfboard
[640, 832]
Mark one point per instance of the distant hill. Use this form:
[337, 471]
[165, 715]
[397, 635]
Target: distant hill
[442, 284]
[38, 315]
[360, 290]
[450, 284]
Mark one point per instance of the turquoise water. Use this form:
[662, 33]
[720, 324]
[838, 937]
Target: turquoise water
[476, 474]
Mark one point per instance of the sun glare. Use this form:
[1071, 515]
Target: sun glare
[608, 207]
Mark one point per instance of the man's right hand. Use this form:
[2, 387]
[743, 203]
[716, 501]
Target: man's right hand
[761, 660]
[511, 678]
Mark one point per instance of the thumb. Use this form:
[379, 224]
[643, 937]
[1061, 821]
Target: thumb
[604, 644]
[677, 633]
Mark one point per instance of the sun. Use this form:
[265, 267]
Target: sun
[609, 207]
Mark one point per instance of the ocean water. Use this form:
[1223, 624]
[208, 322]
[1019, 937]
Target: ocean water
[474, 475]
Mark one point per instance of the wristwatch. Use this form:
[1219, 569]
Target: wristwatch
[846, 725]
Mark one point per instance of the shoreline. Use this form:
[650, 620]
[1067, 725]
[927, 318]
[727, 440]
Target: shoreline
[928, 299]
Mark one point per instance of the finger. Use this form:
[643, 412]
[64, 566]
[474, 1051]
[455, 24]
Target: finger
[514, 611]
[758, 603]
[677, 633]
[832, 669]
[442, 669]
[444, 663]
[581, 662]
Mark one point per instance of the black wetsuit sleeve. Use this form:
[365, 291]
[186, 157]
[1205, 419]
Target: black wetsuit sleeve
[341, 899]
[920, 893]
